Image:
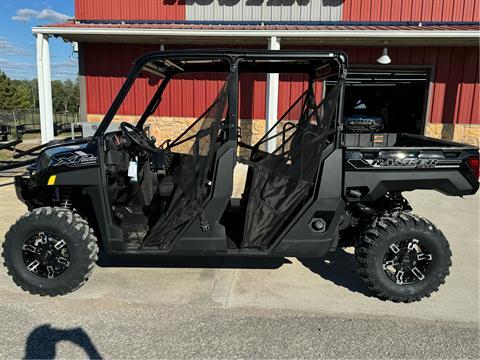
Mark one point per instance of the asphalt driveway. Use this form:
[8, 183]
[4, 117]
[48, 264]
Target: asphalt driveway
[248, 308]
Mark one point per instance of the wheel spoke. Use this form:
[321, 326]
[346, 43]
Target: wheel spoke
[29, 247]
[394, 248]
[399, 277]
[42, 239]
[388, 263]
[61, 260]
[33, 265]
[418, 274]
[59, 244]
[411, 244]
[423, 256]
[50, 272]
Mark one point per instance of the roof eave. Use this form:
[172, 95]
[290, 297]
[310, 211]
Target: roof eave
[426, 34]
[258, 37]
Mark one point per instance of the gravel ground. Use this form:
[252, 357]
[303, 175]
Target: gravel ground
[118, 330]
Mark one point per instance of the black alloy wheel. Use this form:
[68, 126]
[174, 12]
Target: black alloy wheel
[407, 262]
[46, 255]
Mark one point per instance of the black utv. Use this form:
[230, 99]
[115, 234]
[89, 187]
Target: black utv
[317, 188]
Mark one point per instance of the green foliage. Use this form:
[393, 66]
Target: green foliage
[23, 94]
[65, 96]
[12, 95]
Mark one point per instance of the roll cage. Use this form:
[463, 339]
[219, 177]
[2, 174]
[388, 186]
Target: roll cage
[167, 64]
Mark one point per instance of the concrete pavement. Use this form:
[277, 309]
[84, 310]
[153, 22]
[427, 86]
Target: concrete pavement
[244, 308]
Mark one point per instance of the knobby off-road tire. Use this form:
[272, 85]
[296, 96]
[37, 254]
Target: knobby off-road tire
[40, 234]
[382, 242]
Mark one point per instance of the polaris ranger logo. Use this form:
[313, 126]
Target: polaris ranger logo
[404, 163]
[72, 159]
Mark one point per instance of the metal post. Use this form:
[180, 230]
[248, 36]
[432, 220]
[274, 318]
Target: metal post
[272, 98]
[82, 83]
[44, 88]
[14, 120]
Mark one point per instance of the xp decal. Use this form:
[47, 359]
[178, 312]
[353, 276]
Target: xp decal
[73, 159]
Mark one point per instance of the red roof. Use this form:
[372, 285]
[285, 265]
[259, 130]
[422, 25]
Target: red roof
[279, 27]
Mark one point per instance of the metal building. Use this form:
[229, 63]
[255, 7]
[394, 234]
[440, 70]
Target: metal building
[430, 85]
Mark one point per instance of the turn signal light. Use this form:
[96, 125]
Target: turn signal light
[473, 162]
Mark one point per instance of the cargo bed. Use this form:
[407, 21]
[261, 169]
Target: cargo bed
[375, 163]
[398, 140]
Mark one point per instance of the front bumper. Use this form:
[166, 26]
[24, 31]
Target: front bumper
[23, 189]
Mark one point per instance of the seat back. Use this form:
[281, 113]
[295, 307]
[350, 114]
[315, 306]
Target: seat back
[191, 174]
[282, 181]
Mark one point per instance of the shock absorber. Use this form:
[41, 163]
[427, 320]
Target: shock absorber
[63, 198]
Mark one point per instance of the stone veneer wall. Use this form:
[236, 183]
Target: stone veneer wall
[164, 128]
[464, 133]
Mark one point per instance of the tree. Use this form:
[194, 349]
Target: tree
[23, 94]
[33, 85]
[12, 95]
[24, 98]
[65, 96]
[57, 95]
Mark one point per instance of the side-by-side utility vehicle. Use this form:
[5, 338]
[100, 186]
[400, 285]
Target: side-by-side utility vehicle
[311, 185]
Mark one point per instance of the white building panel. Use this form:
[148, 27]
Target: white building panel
[264, 10]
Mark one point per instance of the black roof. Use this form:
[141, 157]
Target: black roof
[258, 60]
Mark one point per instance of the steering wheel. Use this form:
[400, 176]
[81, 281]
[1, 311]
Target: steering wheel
[138, 137]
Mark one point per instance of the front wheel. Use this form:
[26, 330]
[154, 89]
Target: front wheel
[50, 251]
[403, 258]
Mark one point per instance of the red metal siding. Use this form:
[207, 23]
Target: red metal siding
[130, 10]
[455, 83]
[411, 10]
[454, 95]
[186, 96]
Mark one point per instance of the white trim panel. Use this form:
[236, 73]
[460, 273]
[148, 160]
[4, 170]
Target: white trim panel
[44, 88]
[272, 99]
[394, 34]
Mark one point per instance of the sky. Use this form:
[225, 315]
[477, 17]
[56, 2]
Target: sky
[17, 43]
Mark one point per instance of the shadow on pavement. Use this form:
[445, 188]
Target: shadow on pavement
[209, 262]
[339, 267]
[41, 343]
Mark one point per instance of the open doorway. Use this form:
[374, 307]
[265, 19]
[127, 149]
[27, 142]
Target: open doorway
[395, 99]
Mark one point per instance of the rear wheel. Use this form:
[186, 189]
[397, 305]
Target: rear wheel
[403, 258]
[50, 251]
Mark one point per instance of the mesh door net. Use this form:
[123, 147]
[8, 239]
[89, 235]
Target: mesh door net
[190, 175]
[282, 181]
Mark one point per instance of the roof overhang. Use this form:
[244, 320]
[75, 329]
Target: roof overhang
[226, 35]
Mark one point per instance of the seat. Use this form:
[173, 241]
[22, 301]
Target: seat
[166, 186]
[282, 181]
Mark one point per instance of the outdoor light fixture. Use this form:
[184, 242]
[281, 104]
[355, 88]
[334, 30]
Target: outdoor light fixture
[384, 59]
